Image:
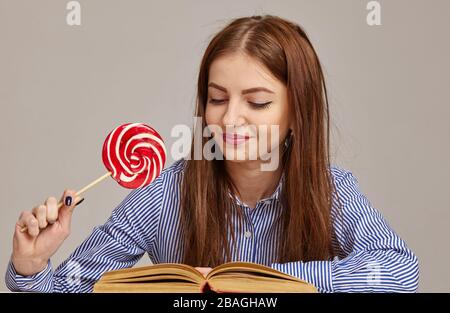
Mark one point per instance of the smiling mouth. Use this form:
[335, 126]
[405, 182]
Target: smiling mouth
[234, 139]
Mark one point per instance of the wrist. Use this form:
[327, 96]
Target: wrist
[28, 266]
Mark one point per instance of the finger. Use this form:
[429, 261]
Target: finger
[21, 225]
[69, 200]
[208, 270]
[40, 212]
[29, 221]
[204, 270]
[52, 209]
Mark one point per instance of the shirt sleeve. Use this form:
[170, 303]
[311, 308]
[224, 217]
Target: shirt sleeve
[119, 243]
[372, 258]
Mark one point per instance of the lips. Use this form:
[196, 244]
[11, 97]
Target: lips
[234, 139]
[234, 136]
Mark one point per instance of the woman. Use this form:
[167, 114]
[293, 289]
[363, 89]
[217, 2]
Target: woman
[303, 217]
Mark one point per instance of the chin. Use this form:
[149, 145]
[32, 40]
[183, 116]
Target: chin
[237, 155]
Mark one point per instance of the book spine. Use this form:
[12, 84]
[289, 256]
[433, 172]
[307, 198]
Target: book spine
[205, 287]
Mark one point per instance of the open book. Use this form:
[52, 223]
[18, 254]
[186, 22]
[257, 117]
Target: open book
[228, 277]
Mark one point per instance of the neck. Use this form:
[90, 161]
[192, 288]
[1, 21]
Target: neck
[252, 183]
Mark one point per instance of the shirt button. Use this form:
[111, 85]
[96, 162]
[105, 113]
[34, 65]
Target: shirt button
[248, 234]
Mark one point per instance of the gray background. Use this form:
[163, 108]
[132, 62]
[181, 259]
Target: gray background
[63, 88]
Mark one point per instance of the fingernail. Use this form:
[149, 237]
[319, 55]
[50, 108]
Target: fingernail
[82, 199]
[68, 201]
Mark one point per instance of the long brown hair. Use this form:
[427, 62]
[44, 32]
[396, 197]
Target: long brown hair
[284, 48]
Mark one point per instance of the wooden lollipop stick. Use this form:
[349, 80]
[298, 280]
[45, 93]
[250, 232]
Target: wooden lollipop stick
[82, 190]
[95, 182]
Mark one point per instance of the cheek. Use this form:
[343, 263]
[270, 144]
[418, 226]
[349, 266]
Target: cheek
[273, 135]
[281, 118]
[212, 115]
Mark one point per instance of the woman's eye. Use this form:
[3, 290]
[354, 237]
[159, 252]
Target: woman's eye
[260, 105]
[216, 101]
[255, 105]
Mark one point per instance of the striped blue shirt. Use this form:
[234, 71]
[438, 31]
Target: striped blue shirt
[371, 257]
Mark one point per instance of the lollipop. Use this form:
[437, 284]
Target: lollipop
[134, 154]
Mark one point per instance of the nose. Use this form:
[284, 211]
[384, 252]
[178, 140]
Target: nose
[234, 114]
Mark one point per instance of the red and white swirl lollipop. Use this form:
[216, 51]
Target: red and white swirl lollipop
[134, 154]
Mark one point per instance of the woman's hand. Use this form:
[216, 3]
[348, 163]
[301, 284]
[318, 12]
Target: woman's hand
[47, 228]
[204, 270]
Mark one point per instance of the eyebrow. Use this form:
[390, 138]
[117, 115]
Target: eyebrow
[245, 91]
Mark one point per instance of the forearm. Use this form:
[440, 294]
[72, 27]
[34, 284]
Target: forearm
[100, 253]
[117, 244]
[364, 271]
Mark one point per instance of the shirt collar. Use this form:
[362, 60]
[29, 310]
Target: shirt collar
[275, 195]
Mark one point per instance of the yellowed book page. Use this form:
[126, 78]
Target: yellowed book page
[153, 270]
[246, 267]
[146, 288]
[252, 283]
[153, 278]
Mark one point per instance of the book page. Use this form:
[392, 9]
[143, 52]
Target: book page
[247, 267]
[152, 271]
